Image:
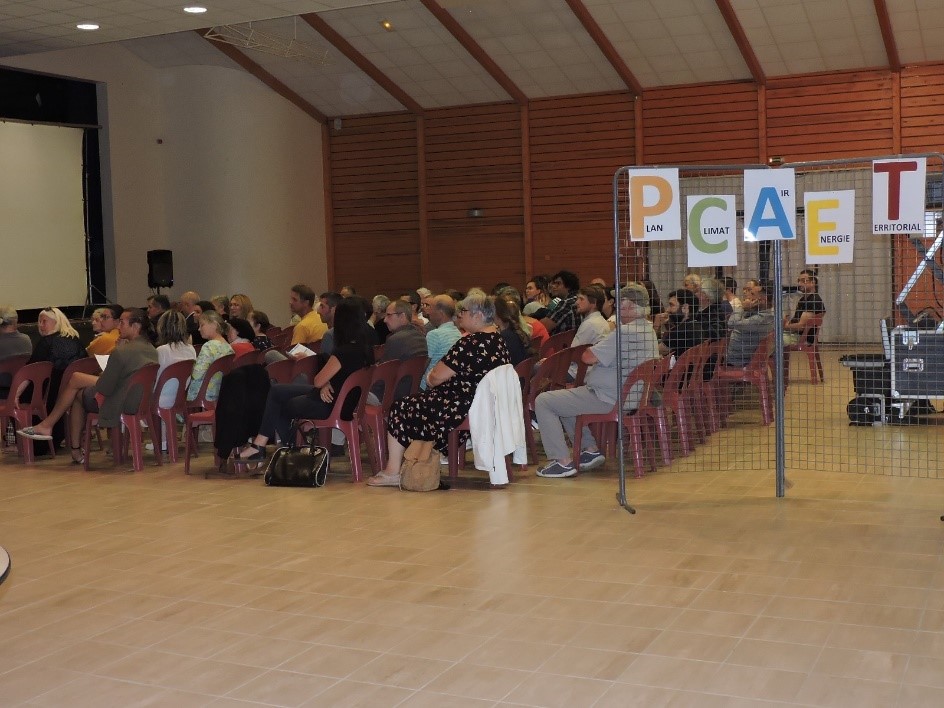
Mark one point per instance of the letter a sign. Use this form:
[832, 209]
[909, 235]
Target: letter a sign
[654, 212]
[769, 205]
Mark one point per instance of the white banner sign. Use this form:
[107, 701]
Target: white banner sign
[654, 209]
[712, 229]
[898, 196]
[830, 226]
[769, 205]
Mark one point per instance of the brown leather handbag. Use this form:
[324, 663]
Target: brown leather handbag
[420, 469]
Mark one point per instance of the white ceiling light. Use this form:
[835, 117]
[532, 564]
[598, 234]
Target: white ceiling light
[87, 26]
[195, 9]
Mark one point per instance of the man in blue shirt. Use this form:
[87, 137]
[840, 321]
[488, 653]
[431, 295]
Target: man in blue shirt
[444, 334]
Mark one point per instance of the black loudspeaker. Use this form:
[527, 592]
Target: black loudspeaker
[160, 269]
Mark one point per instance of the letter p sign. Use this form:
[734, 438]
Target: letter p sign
[654, 205]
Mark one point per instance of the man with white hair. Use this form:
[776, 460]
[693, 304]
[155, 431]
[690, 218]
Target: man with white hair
[556, 411]
[12, 343]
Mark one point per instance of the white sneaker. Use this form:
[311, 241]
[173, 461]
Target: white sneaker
[443, 460]
[150, 447]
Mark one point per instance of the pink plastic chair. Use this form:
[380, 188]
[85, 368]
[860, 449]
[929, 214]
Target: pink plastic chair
[179, 371]
[129, 432]
[357, 384]
[202, 411]
[21, 412]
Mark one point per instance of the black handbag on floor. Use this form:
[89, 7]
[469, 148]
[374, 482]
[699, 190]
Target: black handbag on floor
[298, 466]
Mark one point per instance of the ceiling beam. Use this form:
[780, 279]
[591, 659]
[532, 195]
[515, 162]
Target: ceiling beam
[885, 24]
[605, 45]
[473, 48]
[362, 63]
[740, 38]
[265, 77]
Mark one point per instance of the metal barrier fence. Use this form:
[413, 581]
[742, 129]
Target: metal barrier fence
[834, 404]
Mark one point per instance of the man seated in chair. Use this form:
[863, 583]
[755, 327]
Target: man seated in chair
[808, 306]
[80, 394]
[747, 327]
[556, 411]
[12, 343]
[679, 327]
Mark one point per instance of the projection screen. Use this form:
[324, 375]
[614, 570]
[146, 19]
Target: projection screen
[42, 225]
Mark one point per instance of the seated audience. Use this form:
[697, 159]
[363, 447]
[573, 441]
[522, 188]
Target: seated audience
[750, 325]
[418, 320]
[563, 318]
[730, 294]
[556, 411]
[678, 328]
[537, 296]
[444, 333]
[310, 327]
[157, 305]
[327, 303]
[59, 344]
[405, 341]
[347, 291]
[714, 316]
[221, 305]
[655, 302]
[287, 402]
[508, 321]
[240, 335]
[213, 330]
[240, 306]
[593, 327]
[808, 306]
[12, 343]
[532, 327]
[260, 325]
[432, 414]
[376, 320]
[173, 345]
[109, 395]
[106, 319]
[188, 306]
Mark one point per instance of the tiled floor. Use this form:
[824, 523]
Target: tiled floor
[159, 589]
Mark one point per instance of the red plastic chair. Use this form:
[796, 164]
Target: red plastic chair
[129, 432]
[756, 373]
[811, 348]
[648, 375]
[357, 384]
[12, 364]
[282, 371]
[375, 416]
[179, 371]
[249, 358]
[549, 375]
[556, 342]
[85, 365]
[679, 398]
[412, 369]
[713, 363]
[307, 367]
[21, 412]
[201, 412]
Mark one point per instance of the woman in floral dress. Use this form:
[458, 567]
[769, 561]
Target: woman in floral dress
[432, 414]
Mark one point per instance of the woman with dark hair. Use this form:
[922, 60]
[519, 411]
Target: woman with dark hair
[260, 325]
[286, 402]
[537, 297]
[508, 321]
[240, 335]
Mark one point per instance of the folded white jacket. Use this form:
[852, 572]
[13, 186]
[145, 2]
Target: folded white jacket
[496, 423]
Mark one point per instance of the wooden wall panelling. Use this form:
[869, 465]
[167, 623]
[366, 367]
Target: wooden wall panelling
[706, 124]
[830, 116]
[922, 121]
[473, 160]
[374, 193]
[577, 144]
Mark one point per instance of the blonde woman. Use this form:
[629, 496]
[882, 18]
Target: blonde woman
[58, 343]
[214, 330]
[240, 306]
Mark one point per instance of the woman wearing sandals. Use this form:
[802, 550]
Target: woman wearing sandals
[433, 413]
[133, 351]
[352, 352]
